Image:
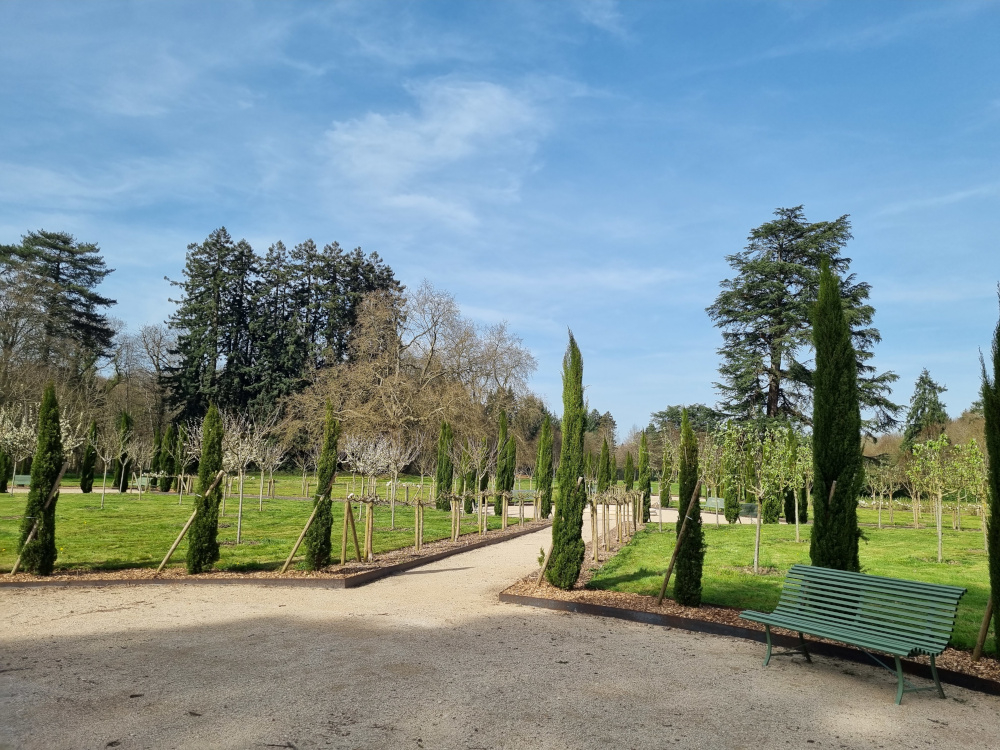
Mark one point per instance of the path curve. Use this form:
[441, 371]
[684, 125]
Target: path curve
[426, 659]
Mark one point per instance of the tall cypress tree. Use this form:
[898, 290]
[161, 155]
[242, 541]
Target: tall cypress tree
[543, 468]
[39, 556]
[646, 479]
[318, 542]
[629, 472]
[691, 555]
[157, 460]
[501, 464]
[604, 468]
[6, 469]
[991, 415]
[89, 461]
[613, 476]
[122, 467]
[445, 474]
[567, 525]
[203, 538]
[836, 433]
[168, 463]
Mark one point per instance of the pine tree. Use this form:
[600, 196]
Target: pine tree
[604, 468]
[39, 556]
[646, 479]
[764, 313]
[168, 463]
[836, 433]
[89, 461]
[317, 540]
[445, 474]
[567, 525]
[927, 416]
[122, 467]
[157, 460]
[629, 472]
[991, 417]
[691, 555]
[543, 468]
[76, 332]
[203, 538]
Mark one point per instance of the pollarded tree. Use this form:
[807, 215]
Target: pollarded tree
[567, 526]
[691, 555]
[543, 468]
[317, 540]
[629, 472]
[927, 416]
[836, 433]
[764, 313]
[933, 459]
[445, 473]
[646, 479]
[39, 555]
[203, 538]
[89, 461]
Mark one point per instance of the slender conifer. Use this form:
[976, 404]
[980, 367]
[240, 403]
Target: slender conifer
[543, 468]
[604, 468]
[89, 460]
[691, 555]
[567, 525]
[39, 556]
[836, 433]
[646, 479]
[318, 542]
[991, 414]
[445, 473]
[203, 538]
[629, 472]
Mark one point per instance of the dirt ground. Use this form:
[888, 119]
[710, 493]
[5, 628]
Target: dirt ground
[426, 659]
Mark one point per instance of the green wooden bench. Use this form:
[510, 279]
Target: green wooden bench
[21, 480]
[896, 617]
[714, 503]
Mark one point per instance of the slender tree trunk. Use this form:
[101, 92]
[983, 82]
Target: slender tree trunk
[260, 498]
[940, 509]
[756, 542]
[797, 540]
[104, 484]
[239, 513]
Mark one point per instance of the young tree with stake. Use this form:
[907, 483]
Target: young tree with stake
[691, 555]
[38, 554]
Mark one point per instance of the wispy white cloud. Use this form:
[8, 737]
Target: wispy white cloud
[466, 140]
[605, 15]
[935, 201]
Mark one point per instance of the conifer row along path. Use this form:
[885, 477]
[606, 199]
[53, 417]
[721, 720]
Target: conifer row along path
[425, 659]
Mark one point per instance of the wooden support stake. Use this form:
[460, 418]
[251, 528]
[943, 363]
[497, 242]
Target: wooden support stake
[977, 652]
[45, 507]
[680, 538]
[177, 541]
[343, 536]
[354, 531]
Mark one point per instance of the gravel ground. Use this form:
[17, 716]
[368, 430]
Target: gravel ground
[426, 659]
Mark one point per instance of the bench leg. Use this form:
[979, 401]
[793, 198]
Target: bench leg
[802, 645]
[899, 675]
[767, 656]
[937, 682]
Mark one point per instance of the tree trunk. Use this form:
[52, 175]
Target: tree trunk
[239, 513]
[940, 509]
[756, 542]
[104, 484]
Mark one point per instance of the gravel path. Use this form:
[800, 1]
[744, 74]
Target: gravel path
[427, 659]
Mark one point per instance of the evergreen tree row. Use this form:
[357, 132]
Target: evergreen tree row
[251, 328]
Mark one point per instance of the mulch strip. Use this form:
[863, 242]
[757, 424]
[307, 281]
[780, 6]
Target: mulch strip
[335, 576]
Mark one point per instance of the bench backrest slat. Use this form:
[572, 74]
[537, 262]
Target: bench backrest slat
[912, 611]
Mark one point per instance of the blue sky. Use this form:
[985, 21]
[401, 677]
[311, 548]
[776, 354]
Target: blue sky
[583, 165]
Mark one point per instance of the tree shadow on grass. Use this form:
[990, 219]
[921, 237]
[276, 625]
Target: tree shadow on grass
[610, 582]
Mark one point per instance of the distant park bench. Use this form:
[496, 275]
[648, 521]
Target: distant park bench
[21, 480]
[716, 504]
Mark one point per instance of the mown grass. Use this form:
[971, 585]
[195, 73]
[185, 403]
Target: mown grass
[130, 532]
[728, 577]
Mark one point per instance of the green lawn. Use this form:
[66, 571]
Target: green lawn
[728, 578]
[130, 532]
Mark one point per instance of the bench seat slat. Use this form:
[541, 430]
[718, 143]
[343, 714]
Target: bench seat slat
[884, 644]
[930, 600]
[864, 580]
[864, 629]
[897, 613]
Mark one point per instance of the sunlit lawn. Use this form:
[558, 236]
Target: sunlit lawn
[728, 577]
[130, 532]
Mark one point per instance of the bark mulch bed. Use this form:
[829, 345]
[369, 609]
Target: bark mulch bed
[954, 666]
[335, 576]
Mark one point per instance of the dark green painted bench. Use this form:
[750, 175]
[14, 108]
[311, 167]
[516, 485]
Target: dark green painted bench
[895, 617]
[21, 480]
